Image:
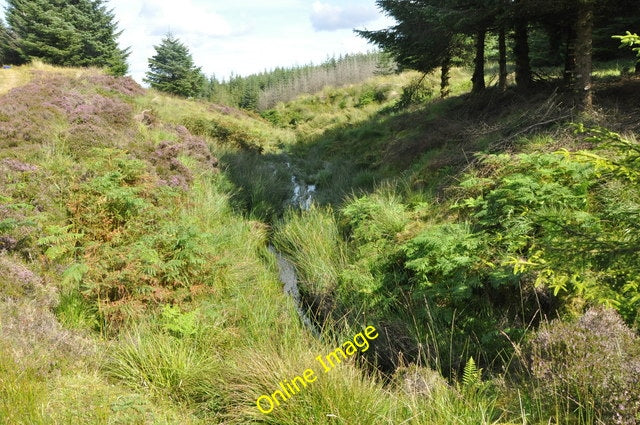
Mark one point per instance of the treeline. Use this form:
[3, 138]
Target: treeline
[432, 34]
[78, 33]
[264, 90]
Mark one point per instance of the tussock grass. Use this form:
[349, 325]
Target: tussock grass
[12, 78]
[87, 397]
[344, 395]
[312, 241]
[22, 392]
[167, 366]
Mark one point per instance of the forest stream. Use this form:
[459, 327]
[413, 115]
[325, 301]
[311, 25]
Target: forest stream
[302, 198]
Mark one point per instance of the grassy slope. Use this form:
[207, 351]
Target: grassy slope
[135, 289]
[130, 289]
[81, 194]
[459, 226]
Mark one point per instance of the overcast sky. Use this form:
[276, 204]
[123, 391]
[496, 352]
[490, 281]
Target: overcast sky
[246, 36]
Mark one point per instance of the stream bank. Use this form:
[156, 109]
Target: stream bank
[395, 347]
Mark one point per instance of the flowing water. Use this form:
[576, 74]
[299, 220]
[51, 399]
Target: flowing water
[302, 192]
[289, 279]
[302, 198]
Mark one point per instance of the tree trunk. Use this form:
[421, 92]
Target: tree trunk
[502, 61]
[570, 58]
[478, 72]
[444, 76]
[584, 33]
[521, 53]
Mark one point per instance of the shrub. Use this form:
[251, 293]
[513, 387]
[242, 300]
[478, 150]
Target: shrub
[25, 115]
[416, 92]
[36, 337]
[126, 86]
[566, 221]
[593, 363]
[374, 217]
[17, 226]
[442, 260]
[17, 280]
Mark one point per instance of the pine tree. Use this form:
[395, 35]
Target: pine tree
[98, 45]
[423, 38]
[172, 70]
[8, 46]
[68, 33]
[431, 33]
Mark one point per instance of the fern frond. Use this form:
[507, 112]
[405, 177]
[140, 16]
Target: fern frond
[471, 376]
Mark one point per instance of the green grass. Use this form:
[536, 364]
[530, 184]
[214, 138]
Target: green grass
[22, 393]
[225, 127]
[169, 367]
[166, 299]
[318, 255]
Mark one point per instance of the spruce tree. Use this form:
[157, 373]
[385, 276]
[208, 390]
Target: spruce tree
[98, 45]
[422, 39]
[428, 33]
[172, 70]
[68, 33]
[431, 33]
[41, 29]
[8, 46]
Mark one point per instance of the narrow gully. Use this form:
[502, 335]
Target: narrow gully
[302, 198]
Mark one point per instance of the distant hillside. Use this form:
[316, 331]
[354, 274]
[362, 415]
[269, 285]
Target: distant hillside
[265, 90]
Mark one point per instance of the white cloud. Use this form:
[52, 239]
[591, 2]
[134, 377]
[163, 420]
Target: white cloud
[245, 36]
[184, 17]
[146, 22]
[328, 17]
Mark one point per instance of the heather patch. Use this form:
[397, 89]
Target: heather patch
[26, 116]
[196, 147]
[170, 169]
[28, 112]
[23, 194]
[17, 166]
[123, 85]
[17, 280]
[594, 364]
[81, 108]
[94, 120]
[172, 172]
[17, 226]
[33, 332]
[27, 323]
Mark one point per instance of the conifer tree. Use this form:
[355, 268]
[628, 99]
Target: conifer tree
[427, 31]
[41, 29]
[431, 33]
[8, 46]
[172, 70]
[68, 33]
[423, 38]
[98, 46]
[584, 42]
